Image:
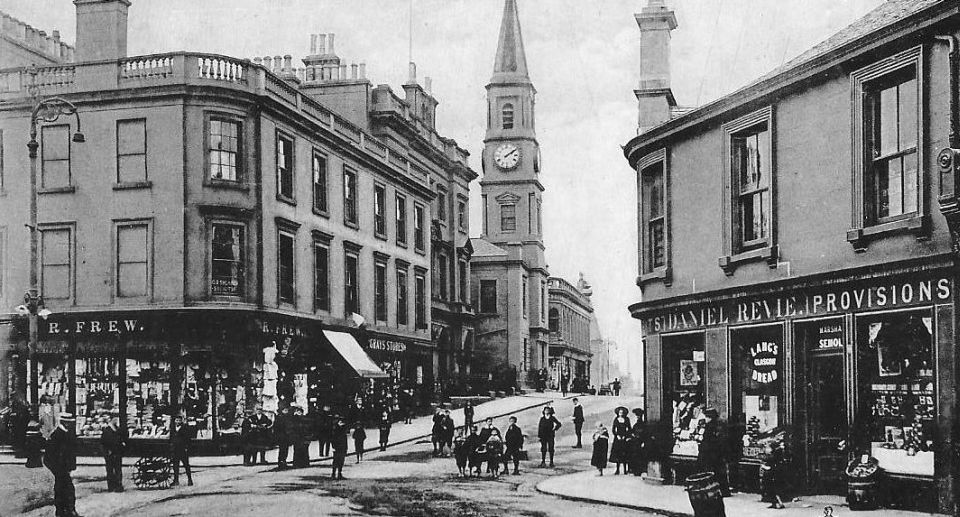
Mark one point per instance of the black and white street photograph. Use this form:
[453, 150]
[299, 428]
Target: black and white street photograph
[479, 258]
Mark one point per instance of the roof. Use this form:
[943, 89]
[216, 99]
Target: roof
[485, 248]
[511, 61]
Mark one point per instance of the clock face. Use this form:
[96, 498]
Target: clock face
[507, 156]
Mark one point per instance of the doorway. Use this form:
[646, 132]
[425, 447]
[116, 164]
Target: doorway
[826, 411]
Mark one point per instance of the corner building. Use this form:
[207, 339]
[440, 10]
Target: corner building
[796, 259]
[225, 238]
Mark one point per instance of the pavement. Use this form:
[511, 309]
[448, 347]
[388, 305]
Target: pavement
[671, 500]
[419, 429]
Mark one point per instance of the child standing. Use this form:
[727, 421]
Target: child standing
[359, 435]
[384, 430]
[771, 474]
[600, 440]
[461, 453]
[494, 453]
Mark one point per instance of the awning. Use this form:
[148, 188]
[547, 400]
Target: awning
[348, 348]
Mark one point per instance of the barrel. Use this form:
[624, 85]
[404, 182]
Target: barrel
[705, 495]
[862, 493]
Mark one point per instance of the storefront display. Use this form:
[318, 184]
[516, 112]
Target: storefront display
[684, 361]
[897, 390]
[757, 386]
[52, 391]
[97, 394]
[148, 399]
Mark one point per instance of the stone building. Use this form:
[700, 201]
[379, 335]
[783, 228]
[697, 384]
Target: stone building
[24, 45]
[232, 233]
[814, 302]
[570, 318]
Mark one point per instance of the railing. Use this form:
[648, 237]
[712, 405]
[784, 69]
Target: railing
[281, 89]
[222, 69]
[10, 82]
[146, 68]
[344, 129]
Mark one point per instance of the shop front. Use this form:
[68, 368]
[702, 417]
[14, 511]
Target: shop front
[212, 367]
[409, 365]
[833, 368]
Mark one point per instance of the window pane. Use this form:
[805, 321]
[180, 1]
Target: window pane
[908, 114]
[132, 244]
[132, 279]
[56, 142]
[402, 304]
[131, 137]
[320, 183]
[132, 168]
[285, 268]
[910, 183]
[887, 121]
[380, 287]
[56, 174]
[657, 248]
[764, 161]
[56, 246]
[56, 281]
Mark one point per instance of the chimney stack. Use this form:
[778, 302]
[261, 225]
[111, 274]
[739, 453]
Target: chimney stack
[101, 29]
[330, 44]
[654, 96]
[321, 44]
[428, 84]
[412, 75]
[313, 44]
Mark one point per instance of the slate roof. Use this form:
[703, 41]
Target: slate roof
[485, 248]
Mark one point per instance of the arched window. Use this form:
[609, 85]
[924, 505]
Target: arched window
[554, 322]
[507, 116]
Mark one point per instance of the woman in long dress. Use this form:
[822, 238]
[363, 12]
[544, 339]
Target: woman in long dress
[600, 440]
[620, 449]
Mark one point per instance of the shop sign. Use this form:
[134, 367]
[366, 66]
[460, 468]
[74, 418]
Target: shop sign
[907, 292]
[763, 359]
[831, 336]
[274, 328]
[386, 345]
[92, 326]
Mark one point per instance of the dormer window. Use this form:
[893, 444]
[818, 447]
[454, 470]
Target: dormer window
[507, 116]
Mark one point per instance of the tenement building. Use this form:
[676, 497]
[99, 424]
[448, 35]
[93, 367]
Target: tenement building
[231, 234]
[796, 259]
[570, 318]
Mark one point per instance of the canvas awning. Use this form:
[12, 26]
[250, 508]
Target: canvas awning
[348, 348]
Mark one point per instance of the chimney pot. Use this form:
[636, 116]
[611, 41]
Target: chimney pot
[353, 71]
[412, 75]
[321, 44]
[330, 44]
[268, 62]
[277, 63]
[428, 83]
[287, 63]
[313, 44]
[343, 72]
[363, 70]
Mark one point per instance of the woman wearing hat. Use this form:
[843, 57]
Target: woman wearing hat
[710, 457]
[620, 450]
[638, 442]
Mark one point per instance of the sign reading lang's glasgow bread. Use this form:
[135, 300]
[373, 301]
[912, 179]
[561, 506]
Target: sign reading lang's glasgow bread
[798, 304]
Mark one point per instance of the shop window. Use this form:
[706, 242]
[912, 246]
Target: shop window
[131, 151]
[226, 255]
[55, 156]
[197, 383]
[896, 413]
[488, 296]
[133, 260]
[419, 239]
[380, 210]
[223, 143]
[401, 220]
[52, 389]
[286, 285]
[349, 197]
[285, 172]
[683, 390]
[380, 290]
[148, 398]
[321, 276]
[756, 381]
[97, 394]
[319, 183]
[403, 303]
[420, 301]
[56, 257]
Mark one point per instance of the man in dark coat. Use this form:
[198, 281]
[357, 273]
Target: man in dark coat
[472, 444]
[467, 416]
[261, 426]
[113, 444]
[487, 430]
[324, 426]
[338, 438]
[282, 433]
[180, 437]
[578, 422]
[514, 444]
[300, 439]
[449, 429]
[710, 457]
[547, 433]
[60, 458]
[247, 435]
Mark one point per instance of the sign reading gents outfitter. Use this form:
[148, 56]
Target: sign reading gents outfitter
[817, 302]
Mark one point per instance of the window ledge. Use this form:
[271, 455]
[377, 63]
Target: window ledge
[132, 185]
[381, 236]
[918, 225]
[729, 263]
[663, 274]
[226, 184]
[321, 213]
[351, 224]
[286, 199]
[57, 190]
[420, 251]
[401, 244]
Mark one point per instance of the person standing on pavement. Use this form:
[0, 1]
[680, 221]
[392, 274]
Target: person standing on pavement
[33, 444]
[359, 436]
[616, 387]
[324, 428]
[436, 432]
[620, 449]
[112, 443]
[601, 438]
[460, 453]
[467, 416]
[260, 435]
[282, 433]
[475, 449]
[578, 422]
[494, 453]
[449, 428]
[564, 383]
[514, 444]
[487, 430]
[711, 457]
[638, 443]
[60, 458]
[338, 439]
[180, 437]
[384, 428]
[547, 433]
[299, 437]
[247, 433]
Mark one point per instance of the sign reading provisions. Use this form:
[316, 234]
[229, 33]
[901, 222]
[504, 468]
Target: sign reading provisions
[386, 345]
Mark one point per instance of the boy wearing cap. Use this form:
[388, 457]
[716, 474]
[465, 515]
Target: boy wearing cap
[180, 436]
[61, 459]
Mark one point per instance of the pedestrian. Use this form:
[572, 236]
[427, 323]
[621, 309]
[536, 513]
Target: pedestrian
[300, 438]
[448, 429]
[578, 422]
[384, 430]
[487, 430]
[771, 474]
[638, 443]
[60, 458]
[476, 449]
[181, 434]
[564, 382]
[359, 436]
[711, 455]
[112, 443]
[620, 449]
[460, 453]
[247, 434]
[33, 444]
[547, 433]
[494, 453]
[514, 444]
[616, 387]
[601, 438]
[338, 439]
[467, 415]
[436, 432]
[324, 428]
[261, 426]
[407, 401]
[282, 433]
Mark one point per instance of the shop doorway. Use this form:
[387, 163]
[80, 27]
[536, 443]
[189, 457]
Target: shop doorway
[826, 411]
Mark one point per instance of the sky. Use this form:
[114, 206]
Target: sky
[583, 57]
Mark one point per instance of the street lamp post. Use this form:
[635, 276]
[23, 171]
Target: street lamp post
[46, 110]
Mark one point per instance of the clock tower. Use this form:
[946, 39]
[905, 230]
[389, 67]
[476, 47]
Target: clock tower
[512, 193]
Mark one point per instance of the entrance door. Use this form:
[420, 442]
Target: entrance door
[826, 423]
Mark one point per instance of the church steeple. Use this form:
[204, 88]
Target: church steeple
[511, 62]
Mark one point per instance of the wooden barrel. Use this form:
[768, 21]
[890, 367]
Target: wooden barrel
[705, 495]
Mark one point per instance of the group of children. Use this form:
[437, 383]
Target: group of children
[473, 448]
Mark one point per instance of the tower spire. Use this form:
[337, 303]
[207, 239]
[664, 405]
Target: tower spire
[511, 62]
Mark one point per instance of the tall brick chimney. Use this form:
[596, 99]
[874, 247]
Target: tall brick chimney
[654, 96]
[101, 29]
